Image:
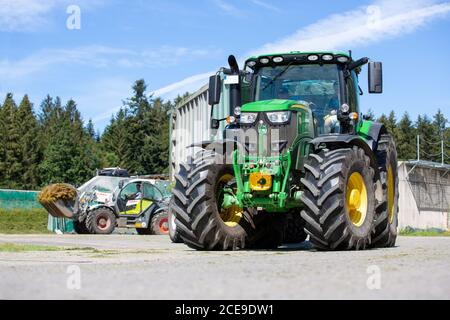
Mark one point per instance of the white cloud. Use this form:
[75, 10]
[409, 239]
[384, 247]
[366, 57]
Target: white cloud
[361, 27]
[33, 15]
[23, 14]
[189, 84]
[228, 8]
[266, 5]
[97, 56]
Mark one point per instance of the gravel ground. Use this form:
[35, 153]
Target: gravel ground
[151, 267]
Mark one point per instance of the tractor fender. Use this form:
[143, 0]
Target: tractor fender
[373, 135]
[335, 141]
[97, 206]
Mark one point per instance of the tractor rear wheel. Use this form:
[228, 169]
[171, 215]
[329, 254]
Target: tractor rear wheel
[204, 222]
[101, 221]
[386, 219]
[294, 229]
[339, 199]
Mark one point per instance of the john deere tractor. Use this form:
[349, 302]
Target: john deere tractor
[295, 159]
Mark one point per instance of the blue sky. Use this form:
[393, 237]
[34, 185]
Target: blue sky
[175, 45]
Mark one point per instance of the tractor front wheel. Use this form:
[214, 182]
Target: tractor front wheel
[206, 216]
[339, 199]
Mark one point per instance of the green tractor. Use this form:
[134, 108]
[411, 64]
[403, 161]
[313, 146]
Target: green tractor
[295, 159]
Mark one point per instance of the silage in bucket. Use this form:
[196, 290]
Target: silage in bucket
[59, 199]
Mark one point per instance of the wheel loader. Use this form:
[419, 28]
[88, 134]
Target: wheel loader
[295, 159]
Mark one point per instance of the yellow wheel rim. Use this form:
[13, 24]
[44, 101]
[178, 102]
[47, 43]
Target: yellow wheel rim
[390, 192]
[356, 199]
[231, 216]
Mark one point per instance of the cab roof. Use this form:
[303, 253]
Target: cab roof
[300, 57]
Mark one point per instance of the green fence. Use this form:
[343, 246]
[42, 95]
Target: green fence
[15, 199]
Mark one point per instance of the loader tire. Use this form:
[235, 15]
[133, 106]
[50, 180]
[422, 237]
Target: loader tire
[174, 233]
[339, 199]
[202, 224]
[159, 224]
[386, 219]
[80, 227]
[294, 229]
[101, 221]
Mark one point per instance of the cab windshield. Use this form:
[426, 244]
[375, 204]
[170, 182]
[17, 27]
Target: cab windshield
[316, 84]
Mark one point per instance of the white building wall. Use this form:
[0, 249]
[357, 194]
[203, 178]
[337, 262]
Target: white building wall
[409, 213]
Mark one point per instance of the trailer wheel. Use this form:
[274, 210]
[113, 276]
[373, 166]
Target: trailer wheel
[174, 234]
[339, 199]
[80, 227]
[386, 220]
[204, 222]
[294, 228]
[101, 221]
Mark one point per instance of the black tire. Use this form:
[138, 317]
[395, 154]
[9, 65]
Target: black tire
[386, 220]
[294, 229]
[174, 234]
[159, 223]
[80, 227]
[197, 215]
[328, 222]
[155, 226]
[101, 221]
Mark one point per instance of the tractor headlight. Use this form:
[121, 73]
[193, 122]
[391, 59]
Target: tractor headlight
[279, 116]
[248, 117]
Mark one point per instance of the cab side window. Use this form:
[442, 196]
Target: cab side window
[151, 193]
[128, 191]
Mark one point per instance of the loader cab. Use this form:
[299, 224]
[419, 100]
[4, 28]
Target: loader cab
[137, 196]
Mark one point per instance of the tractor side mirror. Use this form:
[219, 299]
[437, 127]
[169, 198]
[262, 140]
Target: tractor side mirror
[215, 87]
[215, 124]
[121, 183]
[375, 77]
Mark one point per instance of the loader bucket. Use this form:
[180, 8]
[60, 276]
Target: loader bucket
[59, 199]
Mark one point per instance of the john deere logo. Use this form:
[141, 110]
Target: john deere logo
[262, 129]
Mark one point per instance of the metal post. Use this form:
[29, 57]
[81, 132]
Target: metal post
[442, 152]
[418, 148]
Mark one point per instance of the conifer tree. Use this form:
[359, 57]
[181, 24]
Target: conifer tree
[29, 143]
[12, 152]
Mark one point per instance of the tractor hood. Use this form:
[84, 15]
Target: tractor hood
[274, 105]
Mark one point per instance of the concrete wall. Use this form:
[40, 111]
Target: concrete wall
[410, 214]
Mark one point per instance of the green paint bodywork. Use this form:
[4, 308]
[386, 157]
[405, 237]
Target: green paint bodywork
[278, 166]
[288, 164]
[363, 128]
[270, 105]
